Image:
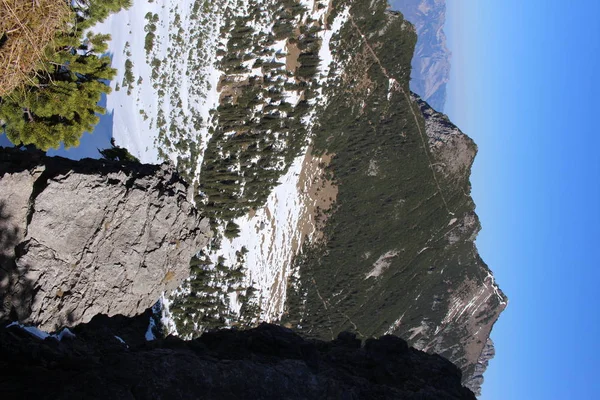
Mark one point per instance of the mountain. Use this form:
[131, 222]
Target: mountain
[268, 362]
[338, 199]
[431, 62]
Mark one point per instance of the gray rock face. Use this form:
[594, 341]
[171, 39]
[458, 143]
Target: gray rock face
[87, 237]
[431, 63]
[453, 151]
[476, 380]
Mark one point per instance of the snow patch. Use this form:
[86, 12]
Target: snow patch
[150, 331]
[382, 263]
[395, 325]
[173, 94]
[166, 318]
[40, 334]
[120, 340]
[268, 236]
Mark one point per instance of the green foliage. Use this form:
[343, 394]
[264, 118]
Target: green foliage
[398, 211]
[90, 12]
[259, 133]
[150, 28]
[61, 102]
[128, 77]
[149, 42]
[206, 306]
[232, 230]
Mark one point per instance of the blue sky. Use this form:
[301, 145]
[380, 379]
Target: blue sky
[524, 85]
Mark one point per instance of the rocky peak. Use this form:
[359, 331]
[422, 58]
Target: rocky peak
[453, 151]
[476, 380]
[80, 238]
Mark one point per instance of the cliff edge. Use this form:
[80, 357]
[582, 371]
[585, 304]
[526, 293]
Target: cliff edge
[268, 362]
[81, 238]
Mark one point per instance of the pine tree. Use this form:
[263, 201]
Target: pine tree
[89, 12]
[117, 153]
[61, 103]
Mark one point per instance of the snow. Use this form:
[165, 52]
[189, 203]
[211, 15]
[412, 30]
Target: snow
[166, 318]
[418, 330]
[391, 88]
[280, 46]
[382, 263]
[395, 325]
[269, 236]
[325, 50]
[40, 334]
[121, 340]
[130, 129]
[495, 288]
[293, 97]
[65, 333]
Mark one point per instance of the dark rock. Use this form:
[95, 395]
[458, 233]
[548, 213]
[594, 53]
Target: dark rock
[268, 362]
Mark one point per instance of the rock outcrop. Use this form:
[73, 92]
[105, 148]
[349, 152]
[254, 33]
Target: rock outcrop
[268, 362]
[80, 238]
[453, 151]
[476, 380]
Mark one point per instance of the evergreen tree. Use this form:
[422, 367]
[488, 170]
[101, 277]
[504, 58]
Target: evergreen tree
[89, 12]
[117, 153]
[61, 102]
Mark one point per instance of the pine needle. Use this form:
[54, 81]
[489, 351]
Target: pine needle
[26, 28]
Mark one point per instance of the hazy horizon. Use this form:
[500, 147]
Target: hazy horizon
[522, 85]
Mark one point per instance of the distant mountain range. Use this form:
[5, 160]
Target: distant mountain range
[431, 63]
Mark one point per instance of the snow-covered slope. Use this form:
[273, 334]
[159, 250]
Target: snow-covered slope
[275, 233]
[166, 84]
[164, 101]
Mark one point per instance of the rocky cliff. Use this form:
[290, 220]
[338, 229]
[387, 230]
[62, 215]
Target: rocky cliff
[431, 63]
[268, 362]
[80, 238]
